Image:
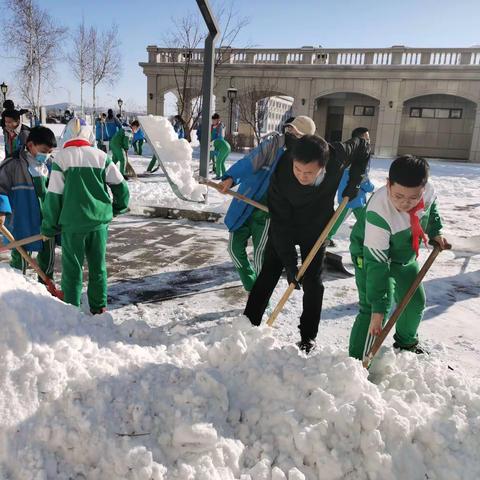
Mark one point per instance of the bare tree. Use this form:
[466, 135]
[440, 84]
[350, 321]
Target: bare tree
[80, 56]
[35, 38]
[104, 64]
[188, 35]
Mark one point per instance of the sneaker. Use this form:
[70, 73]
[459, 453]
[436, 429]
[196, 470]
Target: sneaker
[417, 349]
[306, 345]
[98, 311]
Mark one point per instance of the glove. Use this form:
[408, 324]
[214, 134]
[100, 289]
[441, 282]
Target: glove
[292, 273]
[350, 191]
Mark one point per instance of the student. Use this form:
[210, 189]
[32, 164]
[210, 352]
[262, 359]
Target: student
[179, 126]
[101, 134]
[23, 186]
[113, 125]
[78, 204]
[138, 137]
[119, 145]
[218, 128]
[300, 199]
[221, 151]
[359, 202]
[15, 133]
[253, 173]
[384, 248]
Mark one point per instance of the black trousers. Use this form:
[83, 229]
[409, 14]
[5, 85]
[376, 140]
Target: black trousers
[312, 288]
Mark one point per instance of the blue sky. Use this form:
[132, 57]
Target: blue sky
[273, 23]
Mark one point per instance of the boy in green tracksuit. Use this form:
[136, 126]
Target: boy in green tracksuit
[78, 203]
[23, 186]
[384, 248]
[221, 152]
[119, 145]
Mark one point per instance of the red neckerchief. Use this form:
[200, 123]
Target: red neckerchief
[417, 230]
[79, 142]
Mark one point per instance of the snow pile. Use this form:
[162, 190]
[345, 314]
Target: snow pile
[82, 397]
[174, 153]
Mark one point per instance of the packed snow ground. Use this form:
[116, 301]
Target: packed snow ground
[186, 389]
[84, 397]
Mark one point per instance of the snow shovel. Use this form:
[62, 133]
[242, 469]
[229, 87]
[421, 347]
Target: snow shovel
[401, 306]
[238, 196]
[23, 241]
[318, 244]
[48, 281]
[129, 170]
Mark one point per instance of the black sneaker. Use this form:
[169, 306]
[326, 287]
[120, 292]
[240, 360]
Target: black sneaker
[306, 345]
[417, 349]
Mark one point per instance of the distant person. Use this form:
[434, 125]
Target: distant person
[179, 126]
[138, 137]
[112, 123]
[15, 133]
[101, 134]
[218, 128]
[119, 145]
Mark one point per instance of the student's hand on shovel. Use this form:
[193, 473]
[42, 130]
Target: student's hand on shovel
[226, 185]
[442, 242]
[2, 219]
[292, 273]
[376, 324]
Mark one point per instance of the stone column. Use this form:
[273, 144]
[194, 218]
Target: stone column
[389, 120]
[474, 155]
[303, 94]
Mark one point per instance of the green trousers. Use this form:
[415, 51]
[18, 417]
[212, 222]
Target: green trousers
[75, 247]
[221, 153]
[138, 146]
[401, 278]
[45, 259]
[151, 165]
[118, 157]
[256, 227]
[343, 216]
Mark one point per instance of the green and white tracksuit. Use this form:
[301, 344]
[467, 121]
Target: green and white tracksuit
[386, 266]
[255, 227]
[119, 145]
[79, 204]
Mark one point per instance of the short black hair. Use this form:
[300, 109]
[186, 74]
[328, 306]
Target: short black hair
[8, 105]
[215, 116]
[15, 114]
[359, 131]
[311, 148]
[135, 123]
[409, 171]
[42, 136]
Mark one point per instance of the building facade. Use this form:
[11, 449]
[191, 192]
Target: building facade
[415, 100]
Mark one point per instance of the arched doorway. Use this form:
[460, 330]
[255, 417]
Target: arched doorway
[337, 114]
[438, 126]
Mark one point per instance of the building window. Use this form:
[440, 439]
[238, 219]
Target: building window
[440, 113]
[363, 111]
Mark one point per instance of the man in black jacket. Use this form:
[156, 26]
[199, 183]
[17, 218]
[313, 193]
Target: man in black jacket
[301, 202]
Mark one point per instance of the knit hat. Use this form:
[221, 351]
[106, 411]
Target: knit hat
[303, 125]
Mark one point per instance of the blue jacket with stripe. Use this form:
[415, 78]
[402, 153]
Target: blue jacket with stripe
[252, 173]
[19, 200]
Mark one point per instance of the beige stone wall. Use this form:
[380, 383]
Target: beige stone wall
[434, 137]
[350, 121]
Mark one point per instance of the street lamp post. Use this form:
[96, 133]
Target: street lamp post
[120, 103]
[232, 95]
[4, 89]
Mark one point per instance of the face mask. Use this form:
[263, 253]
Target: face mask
[290, 140]
[41, 158]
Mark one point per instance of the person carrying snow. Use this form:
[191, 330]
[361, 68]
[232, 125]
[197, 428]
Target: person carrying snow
[119, 145]
[78, 204]
[359, 202]
[384, 248]
[23, 186]
[301, 199]
[138, 137]
[15, 133]
[253, 173]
